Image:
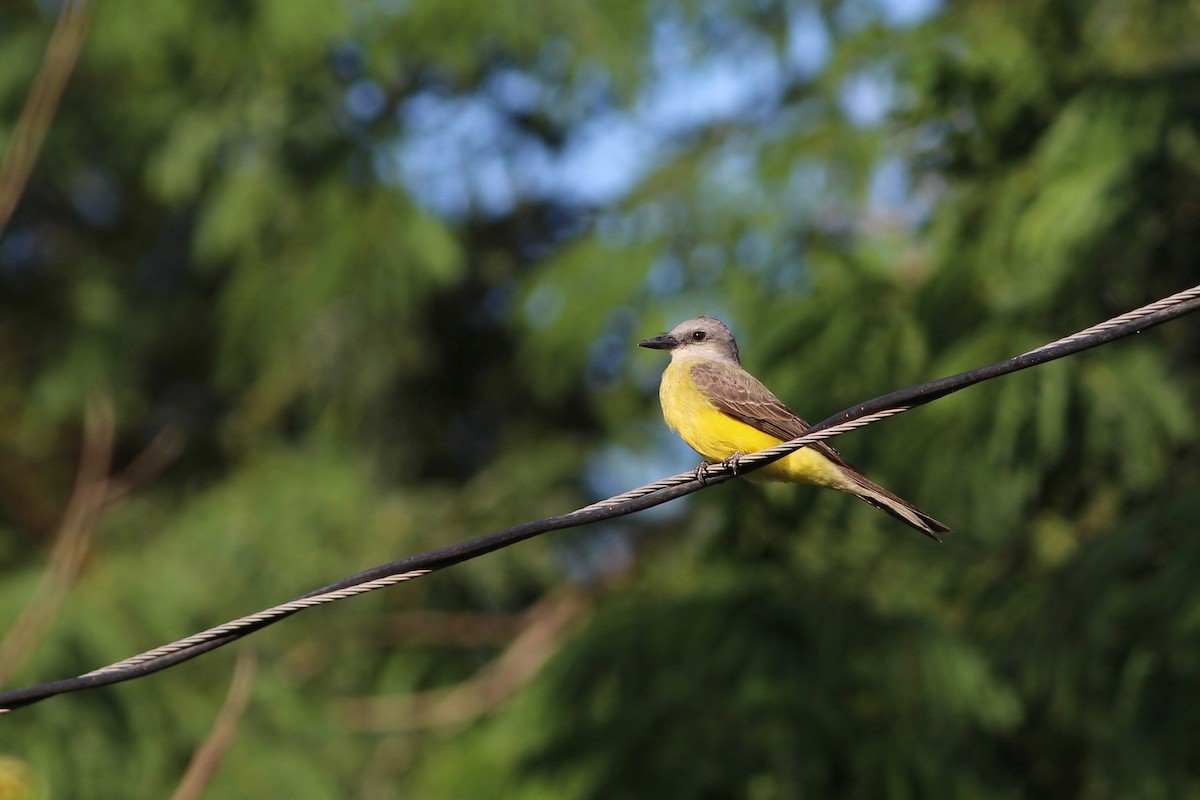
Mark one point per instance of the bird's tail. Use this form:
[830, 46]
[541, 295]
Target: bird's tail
[898, 507]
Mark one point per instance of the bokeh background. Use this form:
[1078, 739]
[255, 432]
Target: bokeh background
[296, 287]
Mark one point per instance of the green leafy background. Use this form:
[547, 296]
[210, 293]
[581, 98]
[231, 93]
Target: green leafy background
[360, 357]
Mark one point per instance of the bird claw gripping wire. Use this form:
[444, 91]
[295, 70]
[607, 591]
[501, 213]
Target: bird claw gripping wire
[704, 469]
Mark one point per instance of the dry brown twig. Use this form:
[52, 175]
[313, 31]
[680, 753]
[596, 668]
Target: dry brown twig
[62, 53]
[211, 752]
[452, 628]
[95, 491]
[71, 543]
[547, 624]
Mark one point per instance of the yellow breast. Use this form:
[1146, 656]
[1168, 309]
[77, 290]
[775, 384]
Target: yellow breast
[717, 436]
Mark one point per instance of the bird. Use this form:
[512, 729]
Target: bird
[724, 412]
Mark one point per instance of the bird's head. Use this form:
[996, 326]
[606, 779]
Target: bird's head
[702, 337]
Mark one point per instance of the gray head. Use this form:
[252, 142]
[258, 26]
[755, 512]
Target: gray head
[702, 337]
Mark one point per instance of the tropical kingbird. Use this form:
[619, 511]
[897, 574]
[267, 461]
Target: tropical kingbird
[722, 411]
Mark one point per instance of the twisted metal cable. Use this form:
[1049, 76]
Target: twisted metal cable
[1128, 317]
[629, 502]
[257, 620]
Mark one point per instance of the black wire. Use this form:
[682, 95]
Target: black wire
[457, 553]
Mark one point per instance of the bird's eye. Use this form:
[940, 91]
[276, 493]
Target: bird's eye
[699, 336]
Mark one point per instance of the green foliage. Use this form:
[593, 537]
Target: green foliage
[221, 238]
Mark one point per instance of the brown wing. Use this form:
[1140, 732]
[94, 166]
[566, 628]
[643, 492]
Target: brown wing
[742, 396]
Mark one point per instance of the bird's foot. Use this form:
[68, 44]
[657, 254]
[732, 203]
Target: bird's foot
[704, 468]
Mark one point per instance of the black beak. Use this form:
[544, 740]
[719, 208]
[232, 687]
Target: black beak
[664, 342]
